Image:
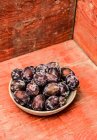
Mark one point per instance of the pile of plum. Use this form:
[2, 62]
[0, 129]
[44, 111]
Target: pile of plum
[43, 88]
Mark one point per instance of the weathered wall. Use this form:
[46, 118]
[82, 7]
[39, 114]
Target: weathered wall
[28, 25]
[86, 27]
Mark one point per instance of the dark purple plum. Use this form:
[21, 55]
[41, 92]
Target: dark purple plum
[28, 73]
[40, 79]
[54, 65]
[38, 102]
[64, 89]
[51, 89]
[32, 89]
[17, 85]
[16, 74]
[52, 103]
[62, 101]
[72, 82]
[21, 97]
[53, 75]
[42, 68]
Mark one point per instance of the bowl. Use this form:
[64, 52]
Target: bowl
[70, 99]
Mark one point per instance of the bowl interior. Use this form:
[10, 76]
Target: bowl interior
[44, 113]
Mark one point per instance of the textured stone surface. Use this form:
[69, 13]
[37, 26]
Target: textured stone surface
[77, 122]
[28, 25]
[86, 27]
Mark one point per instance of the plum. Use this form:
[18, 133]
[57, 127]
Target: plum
[28, 73]
[21, 97]
[38, 102]
[53, 75]
[64, 89]
[54, 65]
[16, 74]
[17, 85]
[32, 89]
[52, 103]
[40, 79]
[72, 82]
[62, 101]
[42, 68]
[51, 89]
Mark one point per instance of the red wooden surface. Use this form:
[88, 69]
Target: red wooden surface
[77, 122]
[28, 25]
[86, 27]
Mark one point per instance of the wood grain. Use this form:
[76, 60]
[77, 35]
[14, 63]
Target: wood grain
[28, 25]
[78, 122]
[86, 27]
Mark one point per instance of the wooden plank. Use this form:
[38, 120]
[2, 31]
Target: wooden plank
[86, 27]
[77, 122]
[28, 25]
